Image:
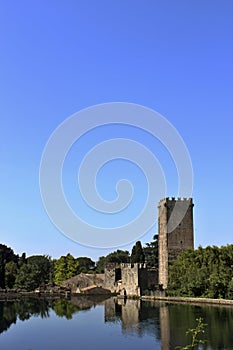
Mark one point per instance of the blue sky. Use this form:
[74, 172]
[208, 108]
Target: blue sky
[58, 57]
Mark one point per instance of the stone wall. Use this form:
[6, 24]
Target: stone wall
[152, 278]
[134, 278]
[110, 278]
[175, 232]
[130, 278]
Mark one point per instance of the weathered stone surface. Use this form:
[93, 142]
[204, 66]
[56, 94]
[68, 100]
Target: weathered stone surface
[181, 238]
[129, 279]
[83, 280]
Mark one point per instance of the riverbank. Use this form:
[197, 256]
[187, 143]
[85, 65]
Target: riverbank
[8, 295]
[189, 300]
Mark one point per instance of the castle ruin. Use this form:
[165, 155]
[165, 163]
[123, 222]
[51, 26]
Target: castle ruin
[175, 229]
[175, 234]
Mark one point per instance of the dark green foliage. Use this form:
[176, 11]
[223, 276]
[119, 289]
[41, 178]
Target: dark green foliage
[85, 264]
[11, 270]
[203, 273]
[22, 259]
[6, 255]
[137, 255]
[151, 252]
[44, 264]
[100, 265]
[117, 257]
[28, 278]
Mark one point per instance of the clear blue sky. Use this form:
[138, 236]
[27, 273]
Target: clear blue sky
[58, 57]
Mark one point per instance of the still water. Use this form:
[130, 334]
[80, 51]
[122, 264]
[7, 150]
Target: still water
[96, 323]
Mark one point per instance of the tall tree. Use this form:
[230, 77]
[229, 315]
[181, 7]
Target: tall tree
[137, 255]
[6, 255]
[44, 264]
[151, 252]
[11, 270]
[65, 267]
[85, 264]
[28, 277]
[117, 257]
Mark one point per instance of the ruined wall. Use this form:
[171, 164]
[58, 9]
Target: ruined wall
[110, 278]
[134, 278]
[175, 232]
[130, 278]
[152, 278]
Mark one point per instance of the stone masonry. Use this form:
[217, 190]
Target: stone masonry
[129, 279]
[175, 232]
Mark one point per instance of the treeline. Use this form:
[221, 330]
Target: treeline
[28, 273]
[204, 272]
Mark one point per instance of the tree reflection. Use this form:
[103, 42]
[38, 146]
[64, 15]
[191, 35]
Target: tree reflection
[63, 308]
[167, 323]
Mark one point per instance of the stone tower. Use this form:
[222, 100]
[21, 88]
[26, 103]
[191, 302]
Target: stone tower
[175, 228]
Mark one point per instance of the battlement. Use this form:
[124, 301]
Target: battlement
[111, 266]
[175, 229]
[174, 200]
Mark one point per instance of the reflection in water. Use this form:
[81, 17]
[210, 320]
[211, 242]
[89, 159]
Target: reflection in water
[166, 323]
[21, 309]
[169, 322]
[24, 308]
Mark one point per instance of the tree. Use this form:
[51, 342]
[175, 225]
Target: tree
[100, 265]
[204, 272]
[60, 270]
[11, 270]
[137, 255]
[6, 255]
[65, 267]
[117, 257]
[44, 264]
[22, 259]
[28, 278]
[85, 264]
[151, 251]
[71, 266]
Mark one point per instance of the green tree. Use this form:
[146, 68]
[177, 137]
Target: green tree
[60, 270]
[44, 264]
[137, 255]
[71, 266]
[65, 267]
[6, 255]
[100, 264]
[85, 264]
[151, 252]
[28, 277]
[204, 272]
[117, 257]
[11, 270]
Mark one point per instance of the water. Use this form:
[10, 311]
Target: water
[88, 323]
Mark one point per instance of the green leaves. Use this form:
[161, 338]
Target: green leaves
[204, 272]
[195, 334]
[65, 267]
[28, 277]
[137, 255]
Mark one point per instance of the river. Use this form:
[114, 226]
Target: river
[89, 323]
